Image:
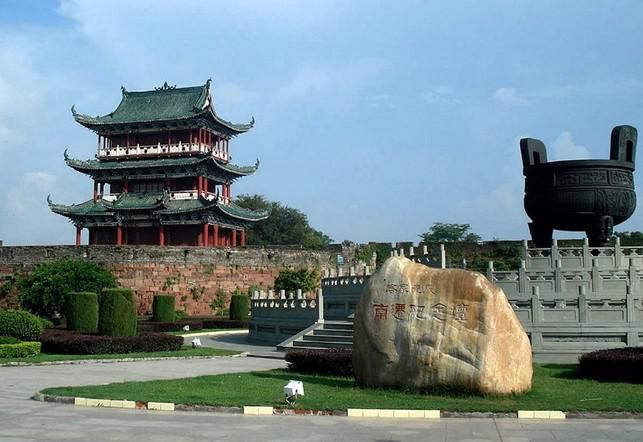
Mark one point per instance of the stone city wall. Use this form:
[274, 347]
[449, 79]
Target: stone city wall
[197, 276]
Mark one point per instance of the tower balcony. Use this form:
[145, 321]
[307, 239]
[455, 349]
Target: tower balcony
[176, 195]
[218, 151]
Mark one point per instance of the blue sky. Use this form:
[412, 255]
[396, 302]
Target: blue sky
[375, 118]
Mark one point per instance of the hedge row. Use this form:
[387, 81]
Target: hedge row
[239, 307]
[335, 361]
[69, 342]
[195, 324]
[83, 311]
[163, 308]
[117, 312]
[613, 365]
[19, 350]
[21, 325]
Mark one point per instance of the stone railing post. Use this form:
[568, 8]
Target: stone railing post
[490, 271]
[524, 251]
[629, 305]
[633, 278]
[554, 253]
[320, 306]
[618, 254]
[582, 304]
[299, 295]
[522, 278]
[587, 256]
[536, 309]
[558, 277]
[596, 277]
[443, 257]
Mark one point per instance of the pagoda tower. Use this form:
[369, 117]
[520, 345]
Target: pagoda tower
[162, 174]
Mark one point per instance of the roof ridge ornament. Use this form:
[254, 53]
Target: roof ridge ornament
[257, 164]
[49, 203]
[208, 83]
[165, 87]
[65, 154]
[252, 121]
[123, 90]
[73, 110]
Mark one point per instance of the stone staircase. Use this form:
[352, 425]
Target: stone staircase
[326, 335]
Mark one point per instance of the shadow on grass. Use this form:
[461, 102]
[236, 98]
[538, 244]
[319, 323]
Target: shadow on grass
[562, 371]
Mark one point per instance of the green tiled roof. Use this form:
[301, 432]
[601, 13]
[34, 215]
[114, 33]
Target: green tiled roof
[167, 103]
[137, 201]
[98, 165]
[157, 203]
[236, 211]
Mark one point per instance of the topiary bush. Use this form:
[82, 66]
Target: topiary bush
[44, 291]
[239, 307]
[82, 314]
[334, 361]
[117, 312]
[613, 365]
[20, 325]
[8, 340]
[72, 342]
[19, 350]
[163, 308]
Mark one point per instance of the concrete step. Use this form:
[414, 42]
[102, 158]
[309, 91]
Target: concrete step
[333, 332]
[321, 345]
[322, 338]
[339, 325]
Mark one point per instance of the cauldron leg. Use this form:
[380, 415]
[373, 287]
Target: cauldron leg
[600, 231]
[541, 234]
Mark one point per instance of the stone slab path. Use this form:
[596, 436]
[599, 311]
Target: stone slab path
[22, 419]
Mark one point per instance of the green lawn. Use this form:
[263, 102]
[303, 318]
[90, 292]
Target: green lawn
[184, 352]
[554, 387]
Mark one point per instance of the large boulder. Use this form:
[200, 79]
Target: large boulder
[421, 328]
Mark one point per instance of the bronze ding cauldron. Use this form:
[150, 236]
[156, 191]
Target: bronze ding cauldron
[579, 195]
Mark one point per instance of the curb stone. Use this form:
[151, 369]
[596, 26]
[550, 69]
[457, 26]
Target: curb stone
[110, 361]
[342, 413]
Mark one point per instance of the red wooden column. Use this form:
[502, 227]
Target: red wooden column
[206, 231]
[119, 235]
[161, 235]
[78, 231]
[215, 239]
[199, 184]
[243, 238]
[234, 238]
[205, 184]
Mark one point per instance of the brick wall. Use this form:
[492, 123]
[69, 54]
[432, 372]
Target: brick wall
[193, 274]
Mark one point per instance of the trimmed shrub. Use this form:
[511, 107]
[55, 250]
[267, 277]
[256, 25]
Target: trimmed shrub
[163, 308]
[20, 350]
[239, 307]
[153, 326]
[20, 324]
[71, 342]
[83, 311]
[117, 312]
[44, 291]
[613, 365]
[46, 323]
[8, 340]
[334, 361]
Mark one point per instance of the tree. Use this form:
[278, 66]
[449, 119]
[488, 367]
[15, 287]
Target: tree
[291, 280]
[45, 290]
[445, 232]
[284, 226]
[630, 238]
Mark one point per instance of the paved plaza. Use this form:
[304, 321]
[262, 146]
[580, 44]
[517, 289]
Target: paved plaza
[22, 419]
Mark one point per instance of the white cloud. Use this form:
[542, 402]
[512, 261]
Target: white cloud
[509, 96]
[29, 191]
[20, 92]
[440, 94]
[564, 148]
[381, 101]
[333, 87]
